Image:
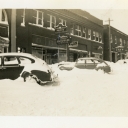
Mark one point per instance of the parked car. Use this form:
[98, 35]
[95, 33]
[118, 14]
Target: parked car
[92, 63]
[25, 65]
[66, 65]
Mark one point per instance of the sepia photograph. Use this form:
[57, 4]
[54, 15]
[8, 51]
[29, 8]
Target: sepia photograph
[64, 63]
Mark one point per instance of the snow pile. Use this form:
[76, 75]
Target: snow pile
[79, 92]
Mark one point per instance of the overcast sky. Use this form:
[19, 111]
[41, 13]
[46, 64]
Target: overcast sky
[116, 10]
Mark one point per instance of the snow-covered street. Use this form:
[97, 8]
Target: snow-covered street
[79, 92]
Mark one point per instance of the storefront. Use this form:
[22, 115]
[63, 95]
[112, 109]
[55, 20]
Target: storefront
[50, 54]
[97, 55]
[120, 52]
[4, 44]
[76, 53]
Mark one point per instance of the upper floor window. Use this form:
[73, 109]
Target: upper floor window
[97, 36]
[63, 21]
[115, 40]
[72, 29]
[124, 43]
[121, 41]
[78, 30]
[52, 21]
[100, 37]
[3, 16]
[111, 40]
[94, 35]
[38, 18]
[84, 32]
[23, 18]
[89, 33]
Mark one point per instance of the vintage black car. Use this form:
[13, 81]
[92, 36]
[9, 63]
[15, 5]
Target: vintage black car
[25, 65]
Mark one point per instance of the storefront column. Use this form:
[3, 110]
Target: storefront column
[13, 30]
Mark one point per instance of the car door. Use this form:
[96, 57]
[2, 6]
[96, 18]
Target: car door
[80, 63]
[90, 64]
[1, 69]
[11, 67]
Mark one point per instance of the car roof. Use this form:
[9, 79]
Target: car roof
[17, 54]
[85, 58]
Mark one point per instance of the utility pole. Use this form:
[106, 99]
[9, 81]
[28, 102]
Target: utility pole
[109, 38]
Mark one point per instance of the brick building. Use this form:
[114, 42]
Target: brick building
[32, 31]
[118, 41]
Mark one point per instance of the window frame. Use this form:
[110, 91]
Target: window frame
[78, 30]
[51, 23]
[100, 37]
[3, 12]
[38, 18]
[84, 32]
[89, 34]
[115, 40]
[94, 35]
[97, 36]
[23, 18]
[121, 42]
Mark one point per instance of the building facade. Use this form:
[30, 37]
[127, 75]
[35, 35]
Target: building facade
[33, 31]
[119, 44]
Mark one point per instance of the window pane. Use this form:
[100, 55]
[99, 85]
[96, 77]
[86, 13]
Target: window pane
[10, 60]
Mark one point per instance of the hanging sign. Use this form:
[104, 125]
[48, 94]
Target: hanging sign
[73, 44]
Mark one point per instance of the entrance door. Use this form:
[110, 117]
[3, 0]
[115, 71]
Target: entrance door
[113, 57]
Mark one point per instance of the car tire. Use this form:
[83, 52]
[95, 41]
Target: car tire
[28, 77]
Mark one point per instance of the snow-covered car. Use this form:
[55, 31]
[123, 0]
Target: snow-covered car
[26, 66]
[66, 65]
[92, 63]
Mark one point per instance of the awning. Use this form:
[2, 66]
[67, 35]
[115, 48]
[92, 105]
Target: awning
[96, 53]
[77, 50]
[42, 46]
[4, 41]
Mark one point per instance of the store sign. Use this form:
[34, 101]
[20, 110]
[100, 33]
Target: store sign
[62, 39]
[60, 28]
[73, 44]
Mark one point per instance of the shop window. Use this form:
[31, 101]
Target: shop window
[63, 21]
[100, 37]
[78, 30]
[38, 17]
[52, 21]
[97, 36]
[72, 29]
[94, 35]
[121, 42]
[3, 16]
[115, 40]
[89, 34]
[23, 18]
[84, 32]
